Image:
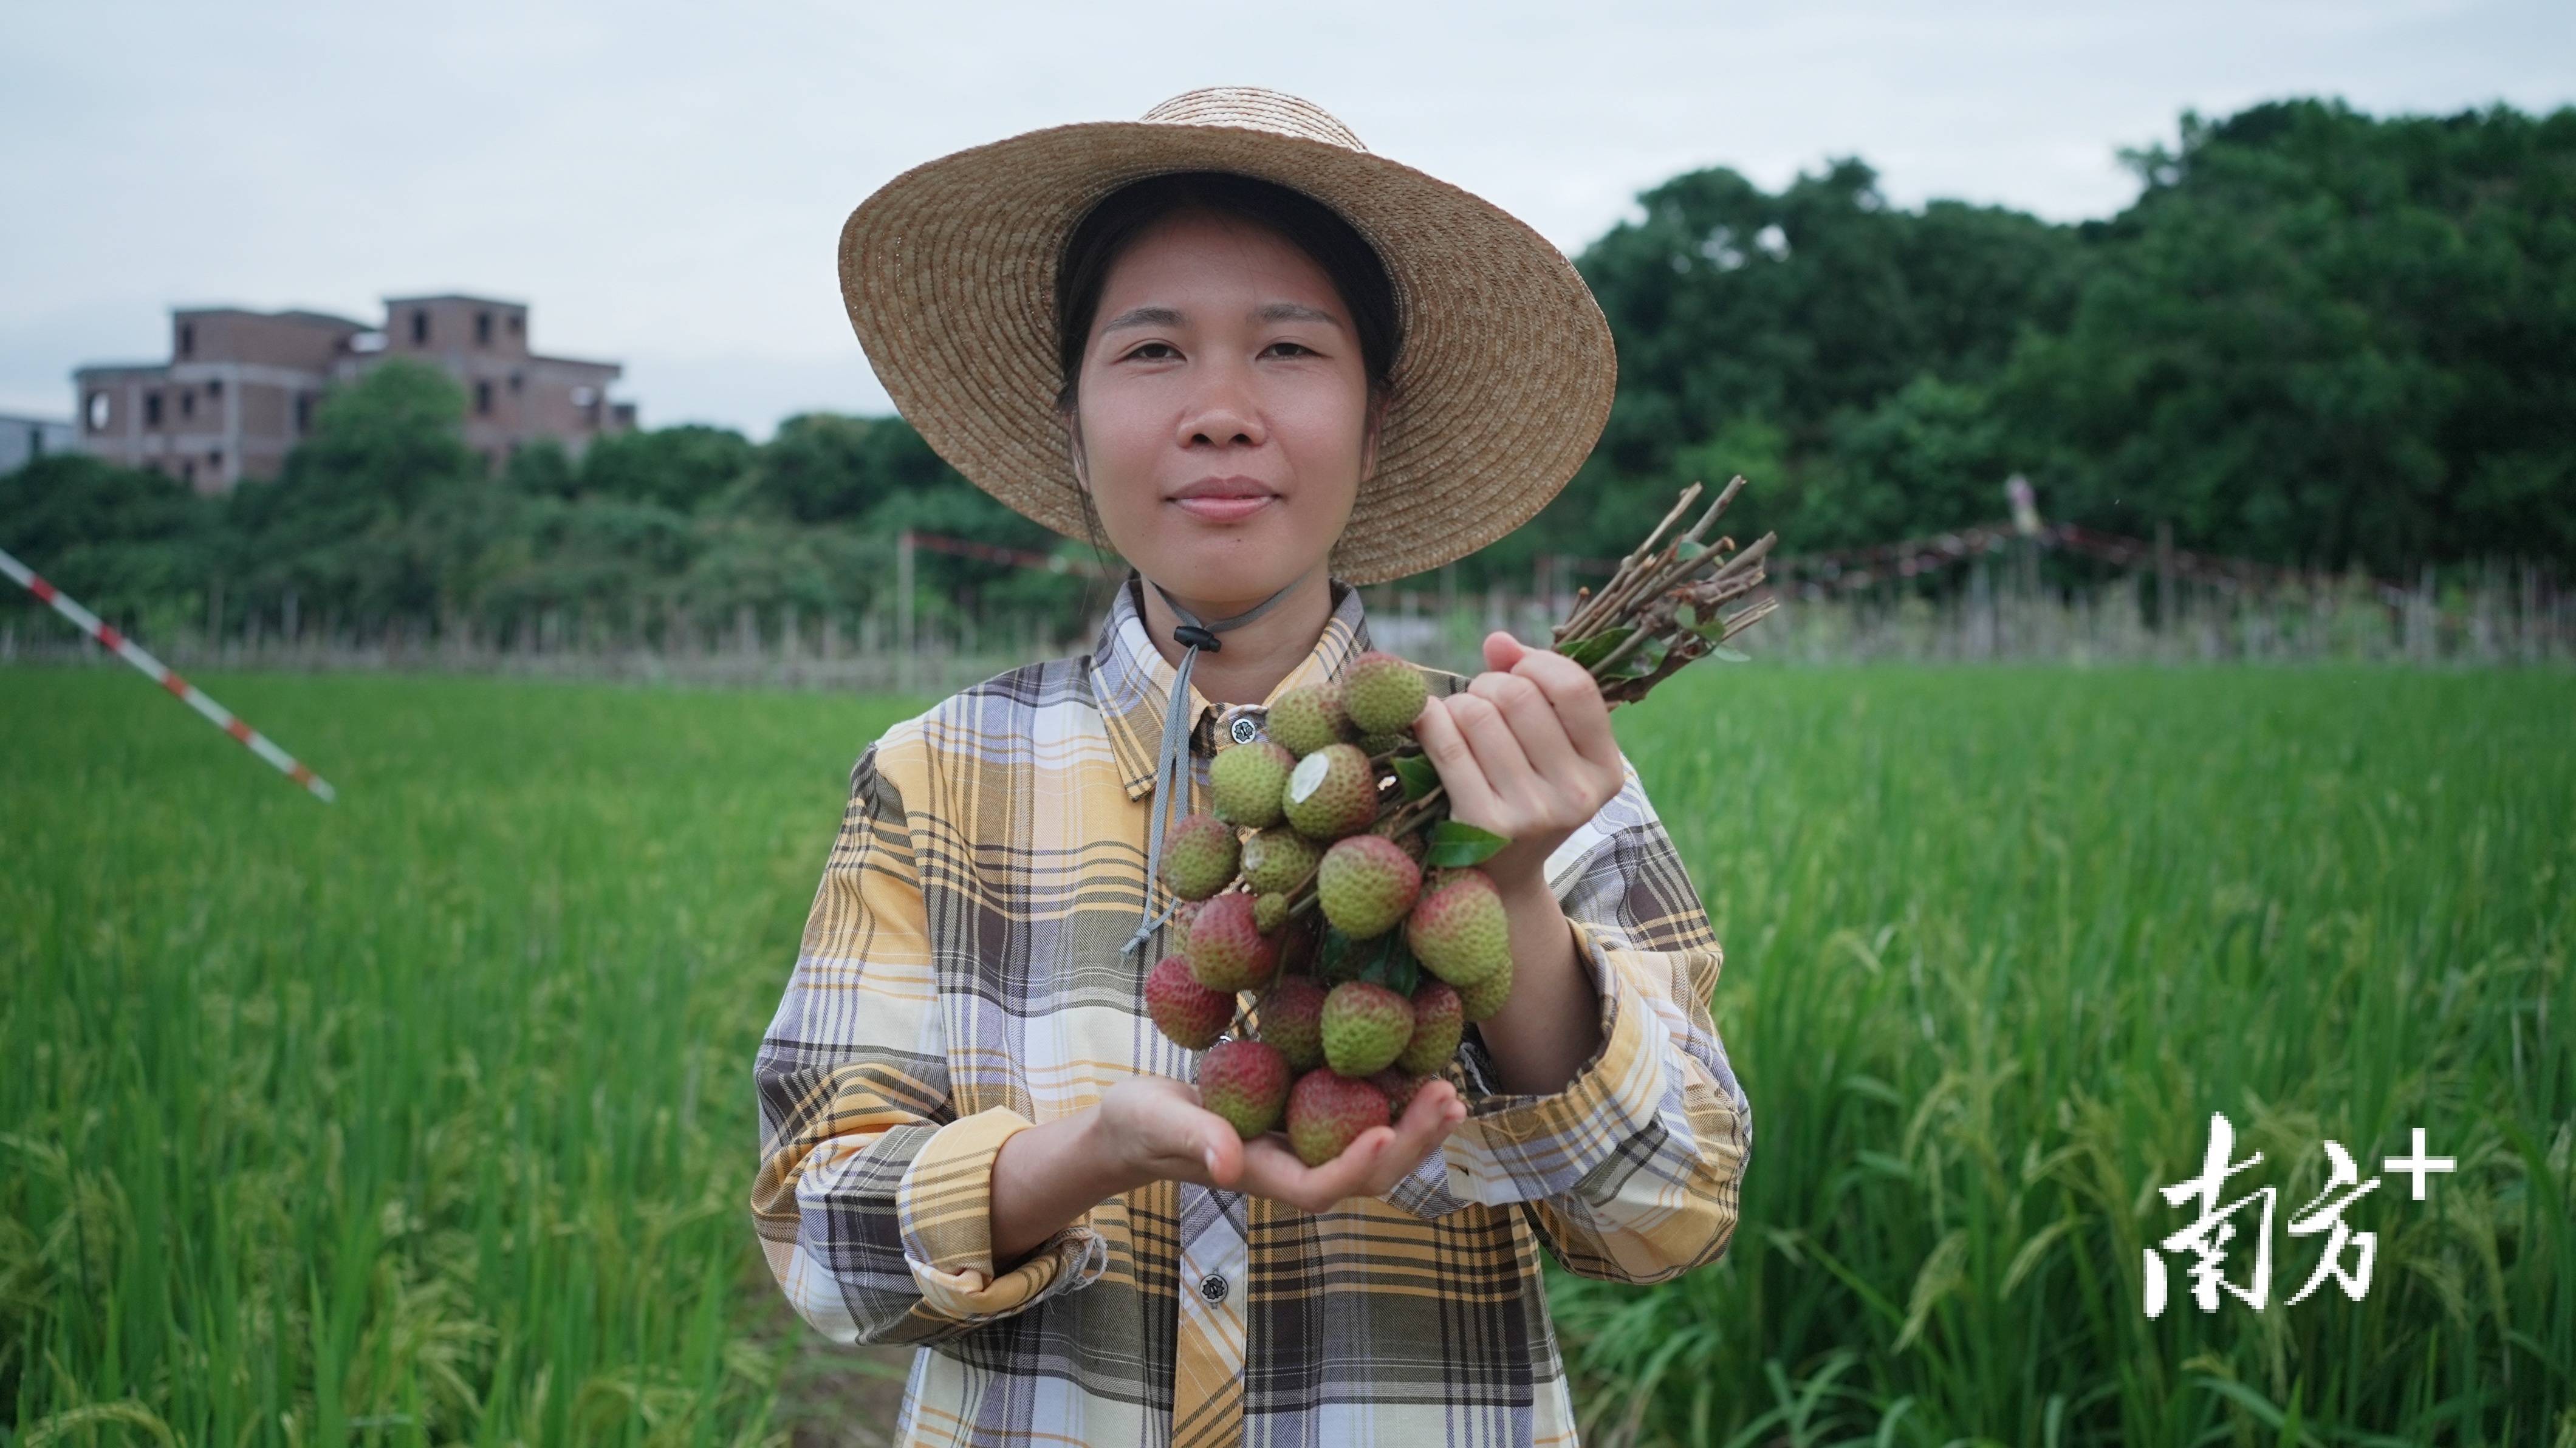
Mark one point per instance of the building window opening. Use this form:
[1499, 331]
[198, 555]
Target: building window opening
[482, 329]
[483, 398]
[215, 390]
[517, 381]
[303, 413]
[96, 409]
[420, 329]
[518, 324]
[152, 409]
[187, 402]
[188, 470]
[187, 339]
[215, 459]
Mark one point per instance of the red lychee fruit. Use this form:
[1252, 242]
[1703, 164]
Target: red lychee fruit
[1188, 1012]
[1327, 1112]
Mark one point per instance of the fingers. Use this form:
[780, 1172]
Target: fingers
[1471, 796]
[1502, 651]
[1434, 1112]
[1531, 715]
[1497, 750]
[1370, 1166]
[1272, 1170]
[1221, 1152]
[1577, 699]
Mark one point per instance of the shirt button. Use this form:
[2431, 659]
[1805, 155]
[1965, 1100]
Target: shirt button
[1212, 1287]
[1243, 729]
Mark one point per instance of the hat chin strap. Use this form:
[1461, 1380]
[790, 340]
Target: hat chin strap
[1171, 764]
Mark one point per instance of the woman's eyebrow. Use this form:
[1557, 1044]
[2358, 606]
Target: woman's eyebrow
[1144, 317]
[1294, 312]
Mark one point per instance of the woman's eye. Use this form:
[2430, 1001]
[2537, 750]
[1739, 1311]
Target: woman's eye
[1154, 351]
[1292, 349]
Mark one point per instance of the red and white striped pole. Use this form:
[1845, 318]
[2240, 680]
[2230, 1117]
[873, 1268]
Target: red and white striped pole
[162, 674]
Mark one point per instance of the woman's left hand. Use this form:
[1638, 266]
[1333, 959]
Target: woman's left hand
[1526, 751]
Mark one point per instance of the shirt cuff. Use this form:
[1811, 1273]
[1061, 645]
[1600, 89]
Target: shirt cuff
[945, 1207]
[1516, 1148]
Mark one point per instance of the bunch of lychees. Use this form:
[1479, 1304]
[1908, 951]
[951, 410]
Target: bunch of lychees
[1339, 815]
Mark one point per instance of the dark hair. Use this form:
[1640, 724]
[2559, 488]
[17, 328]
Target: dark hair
[1110, 227]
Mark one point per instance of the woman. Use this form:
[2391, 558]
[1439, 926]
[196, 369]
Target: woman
[1267, 365]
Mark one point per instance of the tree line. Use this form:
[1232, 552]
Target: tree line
[2316, 338]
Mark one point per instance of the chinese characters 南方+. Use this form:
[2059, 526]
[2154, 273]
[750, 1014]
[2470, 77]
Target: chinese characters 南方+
[2207, 1237]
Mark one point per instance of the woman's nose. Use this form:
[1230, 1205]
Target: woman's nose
[1222, 411]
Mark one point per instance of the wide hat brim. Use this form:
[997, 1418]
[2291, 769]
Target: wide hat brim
[1500, 391]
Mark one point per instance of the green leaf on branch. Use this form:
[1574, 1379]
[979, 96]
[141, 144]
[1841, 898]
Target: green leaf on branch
[1648, 657]
[1403, 973]
[1455, 843]
[1731, 656]
[1334, 959]
[1390, 963]
[1593, 650]
[1416, 773]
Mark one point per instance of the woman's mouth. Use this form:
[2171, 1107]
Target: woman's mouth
[1224, 500]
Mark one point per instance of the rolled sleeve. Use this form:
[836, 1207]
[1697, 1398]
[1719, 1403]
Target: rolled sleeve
[945, 1206]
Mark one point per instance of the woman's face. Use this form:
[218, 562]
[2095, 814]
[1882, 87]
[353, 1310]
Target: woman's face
[1222, 421]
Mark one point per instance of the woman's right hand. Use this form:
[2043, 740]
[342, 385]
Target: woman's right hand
[1158, 1131]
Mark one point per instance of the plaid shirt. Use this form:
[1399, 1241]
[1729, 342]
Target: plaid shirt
[960, 979]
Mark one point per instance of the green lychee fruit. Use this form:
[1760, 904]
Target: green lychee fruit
[1246, 1082]
[1278, 858]
[1439, 1018]
[1188, 1012]
[1326, 1113]
[1227, 949]
[1365, 1027]
[1382, 693]
[1479, 999]
[1269, 911]
[1199, 853]
[1366, 883]
[1247, 780]
[1292, 1018]
[1458, 929]
[1309, 717]
[1332, 793]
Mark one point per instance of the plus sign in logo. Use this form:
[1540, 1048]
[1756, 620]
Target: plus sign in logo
[2348, 1253]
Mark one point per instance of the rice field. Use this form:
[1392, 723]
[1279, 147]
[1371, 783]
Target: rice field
[426, 1118]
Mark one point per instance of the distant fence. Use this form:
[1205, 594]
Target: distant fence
[1969, 595]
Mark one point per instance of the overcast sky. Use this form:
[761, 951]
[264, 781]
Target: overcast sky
[664, 183]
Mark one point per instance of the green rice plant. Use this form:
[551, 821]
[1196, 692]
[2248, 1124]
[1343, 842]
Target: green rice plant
[426, 1118]
[420, 1118]
[1999, 942]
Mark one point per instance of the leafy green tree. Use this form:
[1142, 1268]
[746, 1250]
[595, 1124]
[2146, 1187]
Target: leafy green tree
[542, 469]
[1751, 324]
[129, 544]
[2323, 337]
[380, 512]
[678, 467]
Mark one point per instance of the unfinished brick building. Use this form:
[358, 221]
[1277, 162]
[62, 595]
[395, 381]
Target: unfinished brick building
[240, 387]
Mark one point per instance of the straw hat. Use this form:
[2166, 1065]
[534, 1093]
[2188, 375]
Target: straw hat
[1500, 391]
